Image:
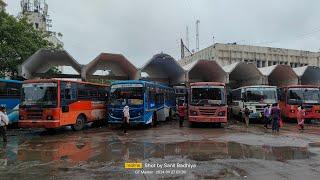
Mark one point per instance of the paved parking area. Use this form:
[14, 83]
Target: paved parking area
[167, 151]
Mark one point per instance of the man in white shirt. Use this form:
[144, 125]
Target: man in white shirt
[126, 117]
[4, 121]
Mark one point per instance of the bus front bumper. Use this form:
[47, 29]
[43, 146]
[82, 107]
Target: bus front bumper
[39, 124]
[222, 119]
[137, 120]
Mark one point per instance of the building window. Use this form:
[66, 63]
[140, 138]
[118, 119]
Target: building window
[36, 25]
[269, 63]
[274, 63]
[263, 64]
[258, 63]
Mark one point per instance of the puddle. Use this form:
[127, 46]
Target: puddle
[118, 151]
[201, 151]
[314, 144]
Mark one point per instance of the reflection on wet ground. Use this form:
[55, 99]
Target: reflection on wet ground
[106, 151]
[115, 150]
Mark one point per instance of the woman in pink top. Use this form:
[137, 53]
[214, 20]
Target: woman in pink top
[300, 117]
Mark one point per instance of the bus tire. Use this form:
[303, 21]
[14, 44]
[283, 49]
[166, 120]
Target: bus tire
[154, 120]
[80, 122]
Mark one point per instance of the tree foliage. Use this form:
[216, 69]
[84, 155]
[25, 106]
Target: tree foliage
[18, 41]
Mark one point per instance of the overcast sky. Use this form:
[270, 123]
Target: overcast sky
[138, 29]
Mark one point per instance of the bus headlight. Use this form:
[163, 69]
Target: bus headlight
[193, 113]
[49, 118]
[292, 110]
[317, 111]
[222, 113]
[21, 117]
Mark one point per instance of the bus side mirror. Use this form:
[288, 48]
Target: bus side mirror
[65, 109]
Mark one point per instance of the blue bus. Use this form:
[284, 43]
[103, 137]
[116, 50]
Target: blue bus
[10, 98]
[149, 102]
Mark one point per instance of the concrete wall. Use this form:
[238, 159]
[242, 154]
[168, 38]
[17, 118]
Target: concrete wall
[226, 54]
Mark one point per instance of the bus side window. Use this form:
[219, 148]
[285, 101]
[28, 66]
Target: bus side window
[160, 99]
[152, 97]
[67, 94]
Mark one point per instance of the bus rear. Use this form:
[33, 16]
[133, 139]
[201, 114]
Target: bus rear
[53, 103]
[208, 103]
[292, 97]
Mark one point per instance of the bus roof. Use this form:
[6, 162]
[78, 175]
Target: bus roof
[207, 84]
[9, 80]
[140, 82]
[302, 86]
[256, 86]
[57, 80]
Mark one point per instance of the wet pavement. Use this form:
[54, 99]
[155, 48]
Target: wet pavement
[166, 152]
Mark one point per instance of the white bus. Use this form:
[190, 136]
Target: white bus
[255, 98]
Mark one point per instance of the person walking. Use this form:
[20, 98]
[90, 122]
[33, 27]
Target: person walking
[4, 121]
[246, 116]
[266, 114]
[182, 113]
[300, 117]
[126, 118]
[275, 115]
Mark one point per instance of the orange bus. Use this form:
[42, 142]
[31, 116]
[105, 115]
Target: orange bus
[208, 103]
[54, 103]
[293, 96]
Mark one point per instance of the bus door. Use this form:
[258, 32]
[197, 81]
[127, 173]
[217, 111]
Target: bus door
[68, 93]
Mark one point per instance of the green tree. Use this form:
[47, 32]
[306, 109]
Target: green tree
[18, 41]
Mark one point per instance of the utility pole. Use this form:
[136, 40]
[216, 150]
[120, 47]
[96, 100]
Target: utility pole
[197, 35]
[187, 37]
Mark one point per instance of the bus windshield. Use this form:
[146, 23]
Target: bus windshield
[208, 95]
[261, 94]
[303, 95]
[39, 94]
[127, 94]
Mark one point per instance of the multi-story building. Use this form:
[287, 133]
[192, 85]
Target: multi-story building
[2, 6]
[36, 12]
[226, 54]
